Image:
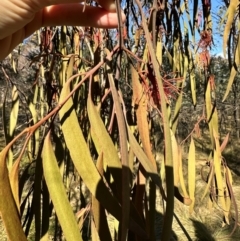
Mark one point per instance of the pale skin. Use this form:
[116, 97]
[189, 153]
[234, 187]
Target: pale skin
[20, 18]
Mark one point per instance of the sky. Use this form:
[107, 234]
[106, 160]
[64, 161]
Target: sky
[216, 47]
[218, 40]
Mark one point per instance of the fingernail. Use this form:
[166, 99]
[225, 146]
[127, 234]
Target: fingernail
[112, 7]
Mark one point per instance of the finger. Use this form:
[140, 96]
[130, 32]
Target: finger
[73, 14]
[106, 4]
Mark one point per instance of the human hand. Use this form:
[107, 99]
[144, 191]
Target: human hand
[20, 18]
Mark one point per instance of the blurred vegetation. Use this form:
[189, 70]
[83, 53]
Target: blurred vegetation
[128, 134]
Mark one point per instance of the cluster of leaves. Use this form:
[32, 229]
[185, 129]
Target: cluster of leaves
[78, 124]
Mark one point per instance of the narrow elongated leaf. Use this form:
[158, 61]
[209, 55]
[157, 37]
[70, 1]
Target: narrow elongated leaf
[99, 214]
[175, 160]
[224, 143]
[176, 62]
[219, 178]
[83, 162]
[103, 143]
[4, 117]
[193, 86]
[57, 192]
[232, 9]
[46, 212]
[13, 63]
[125, 197]
[228, 196]
[13, 122]
[233, 68]
[140, 100]
[8, 209]
[159, 51]
[220, 186]
[94, 232]
[34, 142]
[178, 104]
[210, 179]
[14, 181]
[148, 166]
[211, 114]
[231, 197]
[191, 174]
[14, 111]
[152, 211]
[181, 178]
[81, 156]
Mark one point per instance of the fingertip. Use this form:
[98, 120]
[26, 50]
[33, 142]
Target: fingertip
[108, 5]
[112, 7]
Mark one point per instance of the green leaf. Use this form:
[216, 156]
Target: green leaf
[193, 86]
[33, 144]
[219, 178]
[146, 163]
[57, 192]
[81, 156]
[95, 236]
[125, 197]
[103, 143]
[99, 215]
[209, 182]
[212, 117]
[191, 174]
[175, 159]
[181, 178]
[232, 9]
[14, 181]
[14, 111]
[233, 69]
[8, 209]
[83, 162]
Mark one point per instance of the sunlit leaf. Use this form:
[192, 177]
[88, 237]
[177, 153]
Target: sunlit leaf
[33, 146]
[181, 178]
[126, 206]
[140, 100]
[178, 104]
[8, 209]
[212, 117]
[193, 86]
[14, 111]
[234, 68]
[175, 159]
[192, 174]
[95, 236]
[219, 178]
[232, 8]
[82, 159]
[149, 168]
[104, 143]
[159, 51]
[14, 181]
[58, 193]
[209, 182]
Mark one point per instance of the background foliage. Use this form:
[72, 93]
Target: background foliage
[128, 134]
